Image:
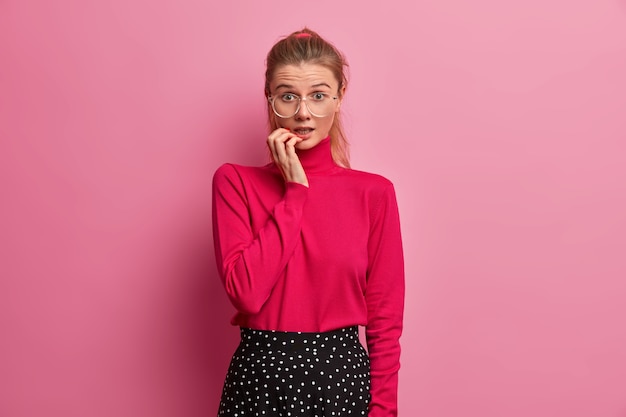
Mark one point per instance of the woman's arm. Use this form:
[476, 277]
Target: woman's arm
[250, 264]
[385, 303]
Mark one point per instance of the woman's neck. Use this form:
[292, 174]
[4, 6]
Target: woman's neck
[317, 159]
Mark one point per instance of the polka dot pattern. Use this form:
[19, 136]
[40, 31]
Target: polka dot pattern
[296, 374]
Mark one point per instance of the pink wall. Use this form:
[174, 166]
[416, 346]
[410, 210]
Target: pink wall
[502, 125]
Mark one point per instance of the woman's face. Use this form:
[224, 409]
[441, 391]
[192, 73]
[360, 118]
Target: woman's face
[303, 80]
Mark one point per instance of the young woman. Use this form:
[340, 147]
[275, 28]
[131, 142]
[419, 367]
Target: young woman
[309, 249]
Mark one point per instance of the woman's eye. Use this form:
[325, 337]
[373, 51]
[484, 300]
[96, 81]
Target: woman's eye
[318, 96]
[288, 97]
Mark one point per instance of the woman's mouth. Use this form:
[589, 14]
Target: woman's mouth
[303, 132]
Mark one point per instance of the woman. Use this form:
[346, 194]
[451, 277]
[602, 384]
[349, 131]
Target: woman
[309, 249]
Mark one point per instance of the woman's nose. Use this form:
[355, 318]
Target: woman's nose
[303, 112]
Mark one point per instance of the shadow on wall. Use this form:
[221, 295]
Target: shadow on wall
[241, 140]
[197, 330]
[208, 339]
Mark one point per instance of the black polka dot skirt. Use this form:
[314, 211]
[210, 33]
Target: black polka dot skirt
[288, 374]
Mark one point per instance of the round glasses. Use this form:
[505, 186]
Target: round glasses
[288, 105]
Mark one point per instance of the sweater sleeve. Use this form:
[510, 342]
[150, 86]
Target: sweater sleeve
[250, 264]
[385, 304]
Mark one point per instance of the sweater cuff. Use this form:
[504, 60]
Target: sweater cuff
[295, 194]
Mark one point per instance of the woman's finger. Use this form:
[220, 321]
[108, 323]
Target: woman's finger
[279, 147]
[290, 145]
[277, 142]
[272, 143]
[282, 144]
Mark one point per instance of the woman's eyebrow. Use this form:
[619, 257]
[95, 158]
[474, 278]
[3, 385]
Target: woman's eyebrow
[321, 85]
[290, 87]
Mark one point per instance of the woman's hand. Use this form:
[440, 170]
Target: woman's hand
[282, 144]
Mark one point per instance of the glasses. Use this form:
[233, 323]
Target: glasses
[288, 105]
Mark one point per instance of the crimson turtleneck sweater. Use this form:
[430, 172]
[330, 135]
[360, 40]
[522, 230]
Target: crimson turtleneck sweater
[315, 259]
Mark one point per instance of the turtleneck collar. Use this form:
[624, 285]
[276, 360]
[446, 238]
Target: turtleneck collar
[318, 159]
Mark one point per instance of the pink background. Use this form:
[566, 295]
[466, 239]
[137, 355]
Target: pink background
[501, 123]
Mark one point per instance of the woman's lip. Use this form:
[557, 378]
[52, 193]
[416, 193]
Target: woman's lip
[303, 135]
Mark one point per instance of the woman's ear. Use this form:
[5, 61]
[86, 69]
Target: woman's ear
[342, 91]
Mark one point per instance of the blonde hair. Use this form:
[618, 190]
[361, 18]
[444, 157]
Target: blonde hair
[307, 46]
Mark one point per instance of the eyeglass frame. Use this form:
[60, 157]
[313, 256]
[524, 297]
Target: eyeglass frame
[271, 100]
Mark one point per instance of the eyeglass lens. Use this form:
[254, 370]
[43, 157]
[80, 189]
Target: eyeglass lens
[288, 105]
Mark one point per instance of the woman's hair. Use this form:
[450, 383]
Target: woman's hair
[306, 46]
